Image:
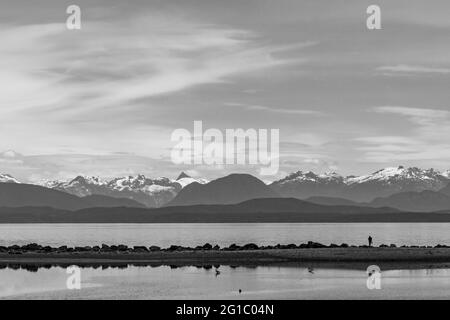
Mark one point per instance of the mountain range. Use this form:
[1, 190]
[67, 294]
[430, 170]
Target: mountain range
[400, 188]
[269, 210]
[231, 189]
[23, 195]
[149, 192]
[366, 188]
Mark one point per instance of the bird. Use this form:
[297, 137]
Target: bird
[217, 272]
[240, 291]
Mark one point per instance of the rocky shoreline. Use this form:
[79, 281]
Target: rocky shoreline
[34, 256]
[121, 248]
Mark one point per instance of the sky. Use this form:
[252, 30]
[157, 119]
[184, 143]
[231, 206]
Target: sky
[105, 100]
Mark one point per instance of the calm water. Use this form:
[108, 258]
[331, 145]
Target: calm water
[224, 234]
[197, 283]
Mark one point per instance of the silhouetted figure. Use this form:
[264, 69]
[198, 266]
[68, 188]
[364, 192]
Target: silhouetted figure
[311, 270]
[370, 241]
[217, 272]
[240, 291]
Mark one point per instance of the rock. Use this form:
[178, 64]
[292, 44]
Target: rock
[393, 245]
[233, 247]
[312, 244]
[122, 247]
[32, 247]
[333, 245]
[155, 248]
[344, 245]
[383, 246]
[140, 249]
[250, 246]
[173, 248]
[216, 247]
[62, 248]
[207, 246]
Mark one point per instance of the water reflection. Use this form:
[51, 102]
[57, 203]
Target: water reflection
[131, 281]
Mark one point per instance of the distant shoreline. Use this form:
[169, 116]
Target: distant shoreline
[170, 215]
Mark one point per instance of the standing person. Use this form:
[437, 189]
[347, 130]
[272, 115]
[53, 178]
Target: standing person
[370, 241]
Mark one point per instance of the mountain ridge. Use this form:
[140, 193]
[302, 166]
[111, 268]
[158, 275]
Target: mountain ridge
[230, 189]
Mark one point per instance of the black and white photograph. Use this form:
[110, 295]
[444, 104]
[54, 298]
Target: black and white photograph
[225, 150]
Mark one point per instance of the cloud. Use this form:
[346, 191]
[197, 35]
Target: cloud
[64, 84]
[432, 120]
[425, 142]
[252, 107]
[107, 64]
[405, 68]
[35, 168]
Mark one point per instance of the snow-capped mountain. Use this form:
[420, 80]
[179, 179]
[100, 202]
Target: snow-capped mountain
[446, 174]
[81, 186]
[308, 184]
[6, 178]
[392, 174]
[185, 180]
[364, 188]
[150, 192]
[310, 176]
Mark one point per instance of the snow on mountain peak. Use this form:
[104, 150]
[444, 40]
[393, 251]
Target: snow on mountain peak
[88, 180]
[139, 182]
[6, 178]
[446, 174]
[312, 177]
[185, 180]
[396, 174]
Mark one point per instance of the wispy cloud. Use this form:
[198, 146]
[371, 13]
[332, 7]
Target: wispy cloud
[413, 69]
[63, 83]
[253, 107]
[425, 140]
[108, 64]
